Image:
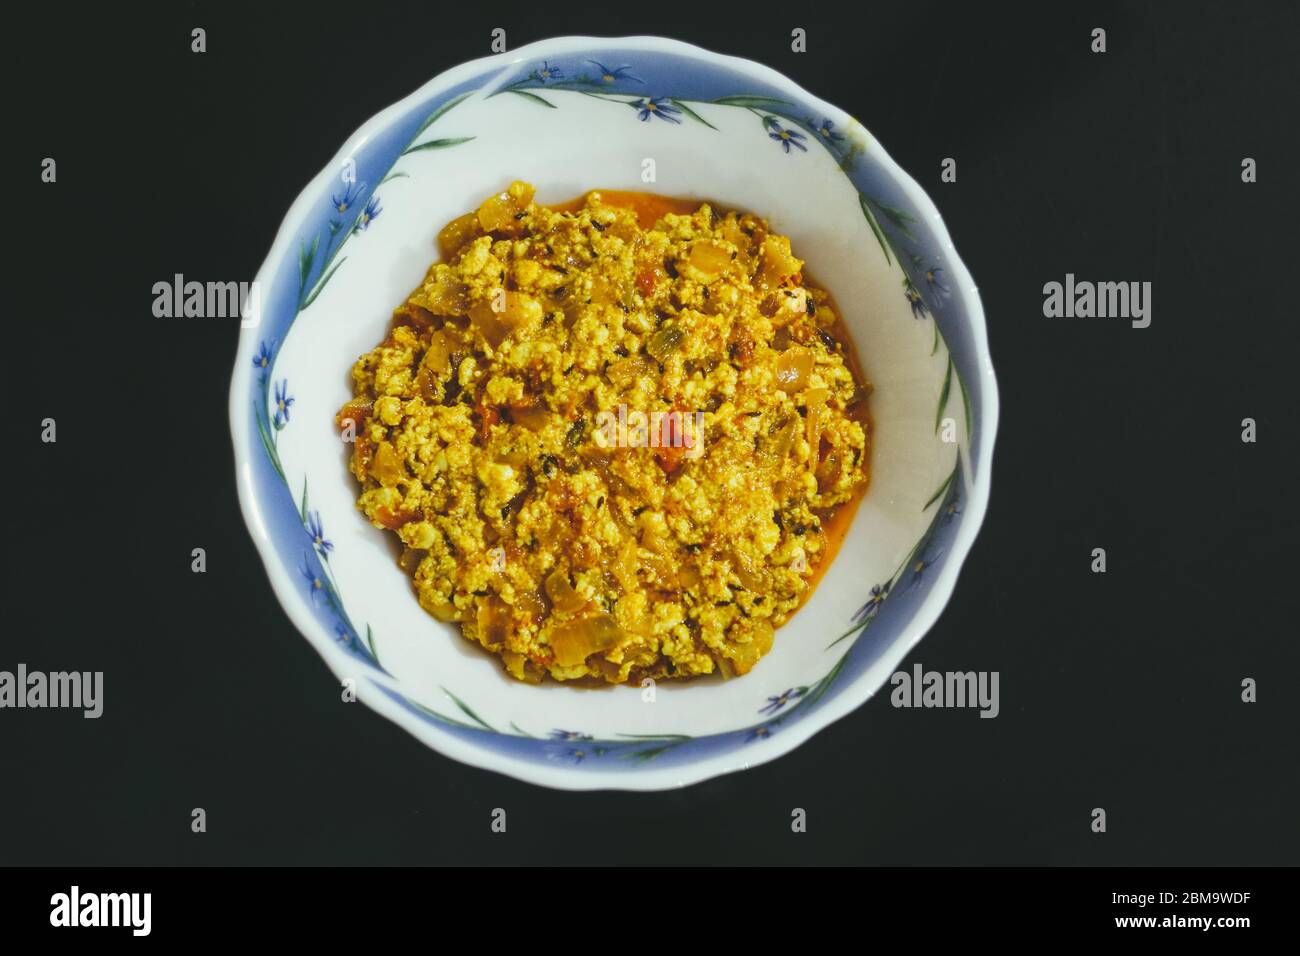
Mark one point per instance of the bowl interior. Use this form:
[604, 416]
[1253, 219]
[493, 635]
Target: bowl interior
[624, 117]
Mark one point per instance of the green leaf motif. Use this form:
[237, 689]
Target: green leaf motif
[320, 284]
[943, 395]
[681, 105]
[438, 144]
[860, 626]
[643, 756]
[439, 112]
[947, 482]
[666, 743]
[818, 689]
[603, 97]
[306, 258]
[467, 712]
[875, 226]
[269, 445]
[897, 217]
[752, 102]
[823, 685]
[434, 715]
[532, 96]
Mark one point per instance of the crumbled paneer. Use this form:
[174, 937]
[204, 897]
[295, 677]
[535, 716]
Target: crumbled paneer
[611, 436]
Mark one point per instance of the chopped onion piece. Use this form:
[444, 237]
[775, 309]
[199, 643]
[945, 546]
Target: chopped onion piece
[575, 641]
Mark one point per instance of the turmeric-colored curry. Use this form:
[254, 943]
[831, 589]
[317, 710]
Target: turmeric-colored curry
[618, 438]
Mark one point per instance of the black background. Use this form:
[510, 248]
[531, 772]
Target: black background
[1119, 690]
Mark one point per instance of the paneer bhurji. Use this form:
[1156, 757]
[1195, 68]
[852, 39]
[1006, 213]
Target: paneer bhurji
[670, 546]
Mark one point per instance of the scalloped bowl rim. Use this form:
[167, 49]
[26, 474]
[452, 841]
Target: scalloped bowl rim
[648, 778]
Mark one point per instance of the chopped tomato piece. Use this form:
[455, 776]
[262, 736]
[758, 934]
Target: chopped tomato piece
[669, 458]
[392, 520]
[488, 415]
[645, 281]
[356, 411]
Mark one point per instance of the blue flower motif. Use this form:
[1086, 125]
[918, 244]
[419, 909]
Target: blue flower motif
[314, 583]
[568, 735]
[826, 128]
[283, 402]
[575, 754]
[657, 105]
[922, 564]
[317, 533]
[613, 76]
[878, 594]
[758, 733]
[344, 200]
[342, 634]
[776, 703]
[262, 359]
[934, 283]
[370, 213]
[546, 72]
[919, 310]
[953, 510]
[786, 137]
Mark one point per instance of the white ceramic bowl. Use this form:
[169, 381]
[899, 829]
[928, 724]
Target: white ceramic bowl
[569, 115]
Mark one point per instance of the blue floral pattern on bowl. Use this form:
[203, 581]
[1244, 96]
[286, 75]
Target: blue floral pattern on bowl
[665, 89]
